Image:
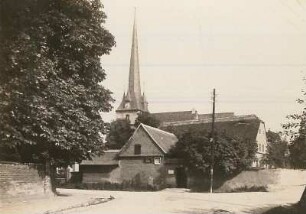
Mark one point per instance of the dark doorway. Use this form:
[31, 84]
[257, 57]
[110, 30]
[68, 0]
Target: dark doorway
[181, 177]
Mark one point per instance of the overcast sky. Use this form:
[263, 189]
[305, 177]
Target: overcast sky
[252, 52]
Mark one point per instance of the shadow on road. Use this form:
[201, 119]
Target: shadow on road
[291, 209]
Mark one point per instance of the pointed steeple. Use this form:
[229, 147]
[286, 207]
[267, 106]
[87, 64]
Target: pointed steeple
[133, 101]
[134, 76]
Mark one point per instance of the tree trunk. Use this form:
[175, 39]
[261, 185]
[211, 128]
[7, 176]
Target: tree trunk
[303, 199]
[50, 171]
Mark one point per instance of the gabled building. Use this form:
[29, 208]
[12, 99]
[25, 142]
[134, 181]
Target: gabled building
[133, 101]
[142, 161]
[246, 127]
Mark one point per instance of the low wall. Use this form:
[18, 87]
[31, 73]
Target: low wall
[19, 180]
[271, 179]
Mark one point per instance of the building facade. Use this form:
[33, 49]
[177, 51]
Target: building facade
[142, 162]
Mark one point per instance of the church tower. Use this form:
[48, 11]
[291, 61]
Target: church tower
[133, 102]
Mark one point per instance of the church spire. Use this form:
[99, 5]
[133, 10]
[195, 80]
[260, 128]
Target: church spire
[133, 101]
[134, 76]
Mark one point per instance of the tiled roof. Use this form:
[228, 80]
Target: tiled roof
[174, 116]
[163, 139]
[109, 157]
[244, 127]
[168, 117]
[217, 115]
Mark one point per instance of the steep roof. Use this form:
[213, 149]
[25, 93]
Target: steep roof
[109, 157]
[164, 140]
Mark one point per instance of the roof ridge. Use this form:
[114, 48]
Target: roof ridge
[157, 129]
[226, 112]
[156, 142]
[167, 112]
[128, 141]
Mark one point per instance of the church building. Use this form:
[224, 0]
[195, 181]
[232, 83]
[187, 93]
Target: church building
[133, 101]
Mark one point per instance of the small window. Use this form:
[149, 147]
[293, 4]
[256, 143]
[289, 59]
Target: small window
[137, 149]
[157, 160]
[170, 171]
[148, 160]
[127, 117]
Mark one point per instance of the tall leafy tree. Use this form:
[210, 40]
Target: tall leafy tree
[50, 85]
[230, 155]
[277, 154]
[295, 128]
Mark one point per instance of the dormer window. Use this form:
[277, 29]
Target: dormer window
[137, 149]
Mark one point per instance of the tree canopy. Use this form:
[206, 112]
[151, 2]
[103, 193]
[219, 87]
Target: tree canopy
[119, 133]
[295, 128]
[121, 130]
[50, 86]
[230, 156]
[148, 119]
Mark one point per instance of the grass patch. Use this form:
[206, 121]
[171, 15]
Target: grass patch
[125, 186]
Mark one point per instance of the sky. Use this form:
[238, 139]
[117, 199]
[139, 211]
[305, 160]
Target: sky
[253, 52]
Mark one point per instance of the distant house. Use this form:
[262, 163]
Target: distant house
[142, 161]
[246, 127]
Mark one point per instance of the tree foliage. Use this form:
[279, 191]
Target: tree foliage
[277, 154]
[148, 119]
[230, 155]
[50, 91]
[295, 128]
[119, 133]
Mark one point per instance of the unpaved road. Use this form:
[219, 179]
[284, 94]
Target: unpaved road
[181, 201]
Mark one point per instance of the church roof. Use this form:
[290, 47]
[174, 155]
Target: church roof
[217, 115]
[174, 116]
[243, 127]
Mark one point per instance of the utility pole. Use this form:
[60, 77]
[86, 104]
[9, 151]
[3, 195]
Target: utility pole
[212, 141]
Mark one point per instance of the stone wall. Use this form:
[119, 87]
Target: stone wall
[19, 180]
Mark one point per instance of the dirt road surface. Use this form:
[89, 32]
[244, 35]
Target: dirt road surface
[180, 201]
